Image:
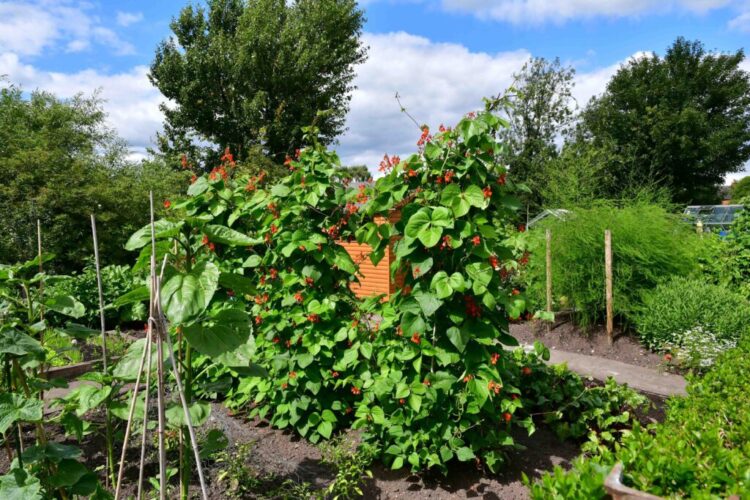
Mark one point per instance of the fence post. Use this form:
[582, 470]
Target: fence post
[608, 280]
[548, 235]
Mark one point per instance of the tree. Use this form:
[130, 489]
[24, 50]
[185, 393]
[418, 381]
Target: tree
[541, 112]
[681, 120]
[243, 74]
[740, 189]
[358, 173]
[60, 164]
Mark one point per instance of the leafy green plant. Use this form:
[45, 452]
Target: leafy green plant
[699, 451]
[442, 386]
[677, 307]
[351, 464]
[648, 245]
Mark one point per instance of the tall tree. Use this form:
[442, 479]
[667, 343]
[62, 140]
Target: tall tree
[682, 120]
[60, 163]
[542, 111]
[243, 74]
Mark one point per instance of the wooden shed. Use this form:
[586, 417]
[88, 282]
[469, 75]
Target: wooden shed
[374, 280]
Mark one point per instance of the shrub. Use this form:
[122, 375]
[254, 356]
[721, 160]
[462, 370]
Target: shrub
[699, 451]
[670, 313]
[648, 244]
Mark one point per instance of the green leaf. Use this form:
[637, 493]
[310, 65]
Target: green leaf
[428, 303]
[458, 337]
[398, 462]
[19, 485]
[162, 229]
[238, 283]
[17, 408]
[224, 332]
[127, 367]
[214, 442]
[465, 454]
[426, 225]
[475, 196]
[137, 295]
[480, 272]
[199, 413]
[252, 261]
[79, 332]
[227, 236]
[66, 305]
[325, 429]
[17, 343]
[280, 190]
[344, 261]
[69, 472]
[441, 285]
[186, 295]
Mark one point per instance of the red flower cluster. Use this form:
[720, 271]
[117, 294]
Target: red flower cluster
[501, 180]
[274, 273]
[227, 157]
[184, 161]
[507, 416]
[524, 259]
[298, 297]
[334, 374]
[526, 371]
[193, 178]
[416, 338]
[494, 261]
[292, 374]
[441, 128]
[446, 243]
[351, 208]
[401, 401]
[494, 358]
[521, 228]
[476, 240]
[356, 391]
[411, 173]
[167, 203]
[288, 162]
[487, 192]
[494, 387]
[261, 299]
[313, 318]
[217, 172]
[468, 378]
[426, 382]
[361, 195]
[472, 309]
[309, 281]
[258, 320]
[425, 137]
[252, 183]
[389, 163]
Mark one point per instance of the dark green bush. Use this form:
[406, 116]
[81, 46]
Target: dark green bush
[648, 244]
[701, 450]
[680, 305]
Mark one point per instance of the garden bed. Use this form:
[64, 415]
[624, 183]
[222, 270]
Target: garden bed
[593, 341]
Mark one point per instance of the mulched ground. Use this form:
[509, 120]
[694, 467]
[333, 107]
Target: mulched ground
[566, 336]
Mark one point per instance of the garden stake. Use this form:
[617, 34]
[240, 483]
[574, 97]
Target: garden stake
[129, 424]
[608, 276]
[145, 415]
[110, 466]
[548, 237]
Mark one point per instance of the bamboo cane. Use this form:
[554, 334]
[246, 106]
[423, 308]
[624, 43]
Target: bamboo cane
[145, 421]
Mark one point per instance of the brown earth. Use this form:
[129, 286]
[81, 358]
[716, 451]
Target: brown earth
[565, 336]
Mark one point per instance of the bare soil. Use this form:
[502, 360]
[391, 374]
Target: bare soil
[565, 336]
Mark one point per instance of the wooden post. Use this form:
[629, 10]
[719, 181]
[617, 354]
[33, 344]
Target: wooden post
[548, 235]
[41, 270]
[608, 280]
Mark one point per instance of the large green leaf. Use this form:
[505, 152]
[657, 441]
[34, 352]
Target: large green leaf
[140, 294]
[223, 333]
[15, 407]
[427, 225]
[127, 367]
[237, 283]
[66, 305]
[186, 295]
[458, 337]
[162, 229]
[19, 485]
[199, 413]
[17, 343]
[227, 236]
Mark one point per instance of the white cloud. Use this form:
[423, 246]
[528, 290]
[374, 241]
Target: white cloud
[740, 23]
[437, 82]
[128, 18]
[29, 28]
[131, 103]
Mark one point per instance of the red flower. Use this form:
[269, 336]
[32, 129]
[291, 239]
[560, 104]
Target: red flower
[476, 240]
[258, 320]
[507, 416]
[494, 387]
[211, 247]
[426, 382]
[668, 357]
[412, 172]
[193, 179]
[276, 340]
[292, 374]
[425, 137]
[309, 281]
[356, 391]
[515, 291]
[487, 192]
[230, 293]
[526, 371]
[335, 374]
[298, 297]
[348, 410]
[167, 203]
[446, 242]
[494, 262]
[401, 401]
[284, 385]
[494, 358]
[449, 175]
[472, 309]
[205, 240]
[274, 273]
[415, 338]
[468, 378]
[524, 259]
[313, 318]
[184, 161]
[521, 228]
[501, 180]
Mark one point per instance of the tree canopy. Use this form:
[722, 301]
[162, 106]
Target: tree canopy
[740, 189]
[248, 74]
[681, 120]
[60, 164]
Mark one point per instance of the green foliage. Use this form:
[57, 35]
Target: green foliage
[357, 173]
[674, 308]
[734, 270]
[351, 466]
[679, 120]
[60, 164]
[248, 74]
[117, 280]
[699, 451]
[441, 383]
[648, 245]
[740, 189]
[540, 112]
[585, 480]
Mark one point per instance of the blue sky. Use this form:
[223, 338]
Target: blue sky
[442, 56]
